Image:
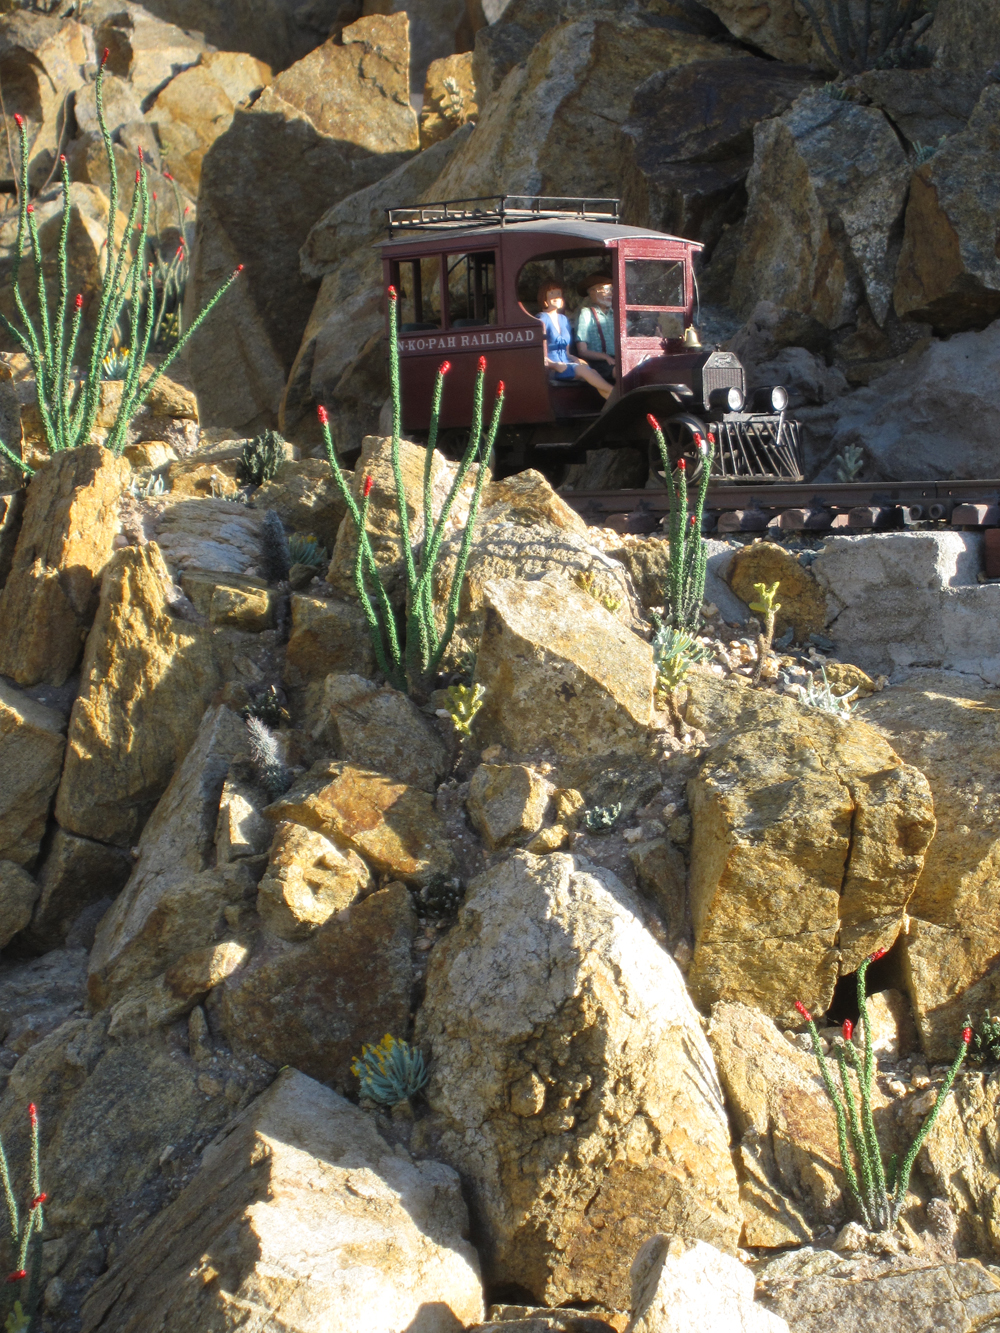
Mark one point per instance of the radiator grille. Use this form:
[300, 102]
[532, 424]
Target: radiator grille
[722, 377]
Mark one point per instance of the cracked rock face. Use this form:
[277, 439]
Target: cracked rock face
[809, 837]
[570, 1082]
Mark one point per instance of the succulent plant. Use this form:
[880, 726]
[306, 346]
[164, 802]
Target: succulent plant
[463, 703]
[274, 555]
[262, 457]
[265, 756]
[304, 549]
[602, 818]
[391, 1072]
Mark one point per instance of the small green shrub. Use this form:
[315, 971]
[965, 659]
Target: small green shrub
[985, 1047]
[850, 461]
[674, 653]
[267, 708]
[880, 1193]
[391, 1072]
[823, 698]
[462, 705]
[305, 550]
[765, 606]
[275, 557]
[265, 756]
[439, 899]
[261, 458]
[602, 818]
[855, 44]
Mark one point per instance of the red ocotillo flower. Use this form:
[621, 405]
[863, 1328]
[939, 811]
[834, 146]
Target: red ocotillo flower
[874, 957]
[39, 1199]
[104, 58]
[967, 1035]
[848, 1029]
[33, 1113]
[322, 413]
[444, 367]
[166, 175]
[652, 421]
[500, 388]
[19, 120]
[31, 208]
[802, 1009]
[369, 483]
[481, 367]
[392, 293]
[79, 301]
[16, 1277]
[139, 151]
[682, 465]
[62, 158]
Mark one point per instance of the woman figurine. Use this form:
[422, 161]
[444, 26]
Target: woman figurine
[595, 327]
[559, 361]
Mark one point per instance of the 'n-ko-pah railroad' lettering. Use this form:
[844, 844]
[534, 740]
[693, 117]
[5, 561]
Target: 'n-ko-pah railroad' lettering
[455, 342]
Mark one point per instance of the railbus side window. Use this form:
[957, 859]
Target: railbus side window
[418, 282]
[472, 289]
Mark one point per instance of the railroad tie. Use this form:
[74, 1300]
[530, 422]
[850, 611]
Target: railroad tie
[975, 516]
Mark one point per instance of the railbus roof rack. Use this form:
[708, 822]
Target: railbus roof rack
[499, 209]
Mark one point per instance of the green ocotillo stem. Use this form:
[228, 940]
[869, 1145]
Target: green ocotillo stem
[903, 1175]
[390, 664]
[466, 549]
[866, 1082]
[397, 470]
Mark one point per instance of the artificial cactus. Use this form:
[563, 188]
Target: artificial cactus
[685, 589]
[411, 660]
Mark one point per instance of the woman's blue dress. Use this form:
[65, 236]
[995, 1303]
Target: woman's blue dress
[558, 340]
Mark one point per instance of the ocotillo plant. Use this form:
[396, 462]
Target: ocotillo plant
[685, 589]
[26, 1239]
[881, 1192]
[410, 659]
[68, 402]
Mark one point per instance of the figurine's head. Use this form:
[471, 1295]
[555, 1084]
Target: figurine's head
[550, 296]
[598, 290]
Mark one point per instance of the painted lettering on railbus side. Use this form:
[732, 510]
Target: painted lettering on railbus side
[450, 342]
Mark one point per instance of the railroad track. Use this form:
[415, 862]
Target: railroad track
[838, 507]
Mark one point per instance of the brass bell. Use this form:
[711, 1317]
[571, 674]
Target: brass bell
[691, 338]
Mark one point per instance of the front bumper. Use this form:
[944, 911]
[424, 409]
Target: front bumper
[752, 446]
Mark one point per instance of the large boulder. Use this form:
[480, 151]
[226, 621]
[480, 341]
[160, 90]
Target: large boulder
[41, 63]
[18, 892]
[301, 1213]
[328, 126]
[949, 726]
[560, 672]
[574, 87]
[956, 1166]
[145, 681]
[964, 36]
[174, 902]
[381, 728]
[121, 1123]
[76, 874]
[32, 744]
[820, 1291]
[809, 836]
[50, 597]
[209, 535]
[198, 105]
[826, 190]
[948, 273]
[779, 28]
[142, 47]
[277, 32]
[438, 28]
[349, 313]
[306, 498]
[515, 27]
[570, 1082]
[681, 1286]
[898, 600]
[313, 1005]
[925, 104]
[394, 827]
[688, 142]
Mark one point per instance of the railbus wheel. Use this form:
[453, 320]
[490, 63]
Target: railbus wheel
[685, 437]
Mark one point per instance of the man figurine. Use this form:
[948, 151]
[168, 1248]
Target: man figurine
[595, 327]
